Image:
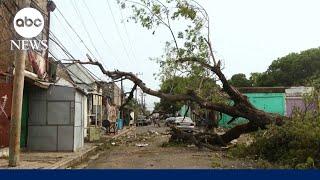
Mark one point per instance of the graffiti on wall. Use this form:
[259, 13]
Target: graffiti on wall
[3, 102]
[5, 110]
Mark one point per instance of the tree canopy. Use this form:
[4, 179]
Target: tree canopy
[295, 69]
[240, 80]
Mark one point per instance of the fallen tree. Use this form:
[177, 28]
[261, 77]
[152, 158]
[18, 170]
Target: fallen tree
[241, 108]
[197, 52]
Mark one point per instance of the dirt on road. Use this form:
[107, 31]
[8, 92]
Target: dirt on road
[147, 148]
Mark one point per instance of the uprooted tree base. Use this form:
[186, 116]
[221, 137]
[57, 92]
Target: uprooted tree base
[208, 140]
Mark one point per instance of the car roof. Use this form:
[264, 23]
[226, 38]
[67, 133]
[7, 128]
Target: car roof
[183, 118]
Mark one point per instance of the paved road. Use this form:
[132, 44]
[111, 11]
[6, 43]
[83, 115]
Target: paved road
[124, 153]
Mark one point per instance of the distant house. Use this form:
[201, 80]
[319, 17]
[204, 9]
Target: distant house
[112, 92]
[112, 101]
[269, 99]
[280, 100]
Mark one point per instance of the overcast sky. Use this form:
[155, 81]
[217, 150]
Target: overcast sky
[247, 35]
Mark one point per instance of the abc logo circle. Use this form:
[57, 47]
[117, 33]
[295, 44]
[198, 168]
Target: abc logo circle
[28, 22]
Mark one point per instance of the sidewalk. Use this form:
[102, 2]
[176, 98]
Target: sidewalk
[59, 160]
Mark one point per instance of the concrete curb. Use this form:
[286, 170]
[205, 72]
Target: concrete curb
[75, 160]
[69, 162]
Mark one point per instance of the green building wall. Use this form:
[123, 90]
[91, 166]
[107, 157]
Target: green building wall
[269, 102]
[185, 111]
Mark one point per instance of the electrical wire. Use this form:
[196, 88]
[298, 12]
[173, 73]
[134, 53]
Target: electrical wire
[75, 7]
[64, 18]
[128, 36]
[118, 31]
[100, 32]
[66, 32]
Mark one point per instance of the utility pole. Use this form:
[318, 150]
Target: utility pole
[17, 98]
[121, 96]
[137, 74]
[143, 100]
[136, 94]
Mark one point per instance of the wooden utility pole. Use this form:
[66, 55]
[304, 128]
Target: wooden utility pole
[137, 74]
[17, 98]
[121, 96]
[137, 94]
[142, 103]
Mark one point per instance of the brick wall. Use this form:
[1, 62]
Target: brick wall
[7, 11]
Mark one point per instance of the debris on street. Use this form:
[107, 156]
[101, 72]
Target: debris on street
[142, 144]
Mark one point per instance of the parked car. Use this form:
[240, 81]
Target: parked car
[170, 121]
[184, 123]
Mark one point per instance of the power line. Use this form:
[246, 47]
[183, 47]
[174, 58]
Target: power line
[117, 28]
[85, 28]
[66, 69]
[90, 72]
[64, 18]
[57, 52]
[99, 30]
[66, 32]
[128, 37]
[62, 47]
[69, 55]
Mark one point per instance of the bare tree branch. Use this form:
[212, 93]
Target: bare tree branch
[167, 24]
[234, 94]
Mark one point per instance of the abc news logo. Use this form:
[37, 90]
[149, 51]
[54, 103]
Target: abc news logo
[29, 23]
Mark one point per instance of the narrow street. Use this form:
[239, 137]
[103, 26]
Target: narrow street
[125, 153]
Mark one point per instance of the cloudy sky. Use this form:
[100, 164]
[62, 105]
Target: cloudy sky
[247, 34]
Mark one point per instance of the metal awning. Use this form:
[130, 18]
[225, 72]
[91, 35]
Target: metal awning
[33, 78]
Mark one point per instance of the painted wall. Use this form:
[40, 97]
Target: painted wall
[184, 109]
[269, 102]
[295, 100]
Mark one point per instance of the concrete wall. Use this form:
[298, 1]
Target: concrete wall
[56, 119]
[79, 121]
